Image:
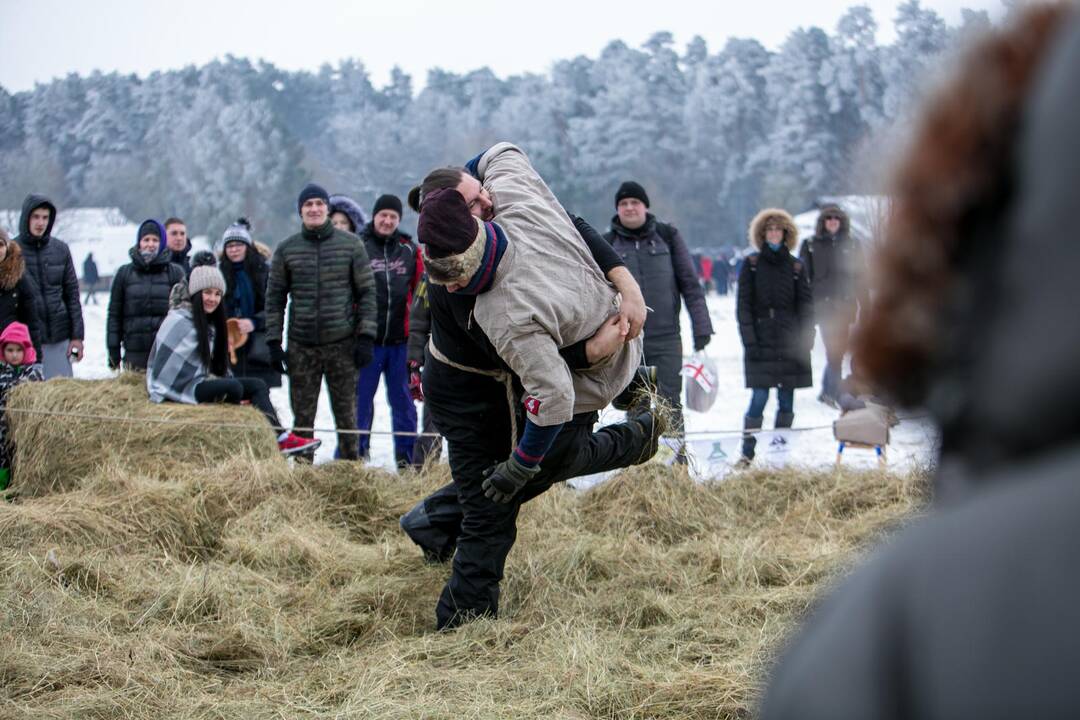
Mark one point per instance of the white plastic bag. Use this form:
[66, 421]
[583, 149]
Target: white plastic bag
[700, 383]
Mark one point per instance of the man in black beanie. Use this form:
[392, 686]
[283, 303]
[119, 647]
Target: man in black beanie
[657, 257]
[396, 268]
[331, 317]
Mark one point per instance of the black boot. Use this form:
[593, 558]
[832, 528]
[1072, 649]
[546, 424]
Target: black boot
[749, 438]
[638, 392]
[651, 426]
[783, 422]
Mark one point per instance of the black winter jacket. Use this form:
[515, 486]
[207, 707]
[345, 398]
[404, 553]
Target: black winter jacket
[138, 303]
[666, 275]
[396, 268]
[419, 322]
[776, 320]
[48, 262]
[834, 264]
[328, 275]
[253, 359]
[18, 297]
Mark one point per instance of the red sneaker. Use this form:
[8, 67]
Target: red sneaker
[293, 444]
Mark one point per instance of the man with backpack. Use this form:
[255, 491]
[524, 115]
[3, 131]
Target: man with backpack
[657, 257]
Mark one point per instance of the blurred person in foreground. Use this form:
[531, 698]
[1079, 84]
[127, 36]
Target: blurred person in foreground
[971, 612]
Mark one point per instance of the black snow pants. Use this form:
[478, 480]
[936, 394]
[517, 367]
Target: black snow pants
[472, 413]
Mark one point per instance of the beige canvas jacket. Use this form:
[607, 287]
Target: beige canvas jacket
[548, 293]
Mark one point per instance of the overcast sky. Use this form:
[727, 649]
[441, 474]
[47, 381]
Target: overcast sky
[44, 39]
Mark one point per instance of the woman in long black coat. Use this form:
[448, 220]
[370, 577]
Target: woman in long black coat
[18, 297]
[775, 310]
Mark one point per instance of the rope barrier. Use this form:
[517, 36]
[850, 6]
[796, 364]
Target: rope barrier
[393, 433]
[201, 423]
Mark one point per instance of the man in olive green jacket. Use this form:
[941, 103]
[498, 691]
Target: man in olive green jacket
[331, 317]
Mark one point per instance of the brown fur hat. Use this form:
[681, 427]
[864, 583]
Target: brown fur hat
[776, 215]
[13, 265]
[951, 191]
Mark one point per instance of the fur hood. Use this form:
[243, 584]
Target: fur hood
[344, 204]
[832, 209]
[12, 266]
[757, 228]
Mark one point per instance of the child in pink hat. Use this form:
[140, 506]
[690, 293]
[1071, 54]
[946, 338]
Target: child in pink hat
[17, 364]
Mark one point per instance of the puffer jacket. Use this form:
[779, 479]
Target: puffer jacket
[775, 310]
[138, 304]
[328, 275]
[666, 275]
[48, 262]
[18, 295]
[396, 267]
[835, 266]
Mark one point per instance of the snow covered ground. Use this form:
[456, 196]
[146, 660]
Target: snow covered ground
[713, 436]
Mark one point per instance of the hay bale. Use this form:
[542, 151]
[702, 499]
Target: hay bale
[657, 503]
[226, 588]
[55, 452]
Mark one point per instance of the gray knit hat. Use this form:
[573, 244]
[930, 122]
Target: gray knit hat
[237, 232]
[203, 277]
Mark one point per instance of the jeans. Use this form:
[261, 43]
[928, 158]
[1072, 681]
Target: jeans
[785, 398]
[391, 361]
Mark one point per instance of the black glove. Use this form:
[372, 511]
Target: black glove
[700, 341]
[502, 481]
[363, 351]
[114, 358]
[278, 360]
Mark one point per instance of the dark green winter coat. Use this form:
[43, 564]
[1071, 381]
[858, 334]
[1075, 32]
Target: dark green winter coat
[327, 274]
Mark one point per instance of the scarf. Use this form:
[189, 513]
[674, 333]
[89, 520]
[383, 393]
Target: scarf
[243, 301]
[495, 248]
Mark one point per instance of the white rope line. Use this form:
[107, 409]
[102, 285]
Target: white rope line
[201, 423]
[398, 433]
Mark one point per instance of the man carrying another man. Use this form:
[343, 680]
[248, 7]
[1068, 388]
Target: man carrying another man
[477, 401]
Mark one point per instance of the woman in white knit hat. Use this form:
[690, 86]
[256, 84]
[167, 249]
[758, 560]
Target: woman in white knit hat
[189, 361]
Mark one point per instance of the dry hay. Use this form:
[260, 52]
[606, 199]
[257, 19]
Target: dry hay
[54, 452]
[251, 589]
